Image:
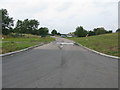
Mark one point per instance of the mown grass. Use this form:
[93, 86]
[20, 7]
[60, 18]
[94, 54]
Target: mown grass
[14, 44]
[106, 43]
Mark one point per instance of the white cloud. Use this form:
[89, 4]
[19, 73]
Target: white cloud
[65, 15]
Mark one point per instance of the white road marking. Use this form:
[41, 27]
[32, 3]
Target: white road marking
[65, 43]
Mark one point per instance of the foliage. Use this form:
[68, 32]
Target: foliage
[43, 31]
[80, 32]
[99, 31]
[58, 33]
[26, 26]
[118, 30]
[54, 32]
[91, 33]
[30, 27]
[7, 22]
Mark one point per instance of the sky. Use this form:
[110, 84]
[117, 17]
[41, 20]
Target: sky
[65, 15]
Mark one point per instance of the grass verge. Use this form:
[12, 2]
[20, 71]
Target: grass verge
[106, 43]
[14, 44]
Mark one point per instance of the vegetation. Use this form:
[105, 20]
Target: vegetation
[43, 31]
[30, 27]
[81, 32]
[107, 43]
[26, 26]
[22, 27]
[118, 30]
[25, 34]
[98, 31]
[12, 44]
[54, 32]
[7, 22]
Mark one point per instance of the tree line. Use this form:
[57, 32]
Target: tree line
[81, 32]
[23, 27]
[31, 27]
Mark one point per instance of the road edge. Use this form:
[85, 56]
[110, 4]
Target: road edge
[22, 50]
[99, 53]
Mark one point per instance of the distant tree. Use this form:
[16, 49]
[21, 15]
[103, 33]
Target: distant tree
[99, 31]
[118, 30]
[33, 25]
[18, 28]
[58, 34]
[91, 33]
[27, 26]
[80, 32]
[43, 31]
[7, 22]
[54, 32]
[110, 31]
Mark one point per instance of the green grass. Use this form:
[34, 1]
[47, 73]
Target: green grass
[14, 44]
[106, 43]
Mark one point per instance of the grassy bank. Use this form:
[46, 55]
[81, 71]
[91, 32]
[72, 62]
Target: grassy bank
[14, 44]
[106, 43]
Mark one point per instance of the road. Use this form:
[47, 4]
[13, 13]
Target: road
[59, 65]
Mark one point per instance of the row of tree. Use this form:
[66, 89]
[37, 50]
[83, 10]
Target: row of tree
[31, 27]
[81, 32]
[26, 26]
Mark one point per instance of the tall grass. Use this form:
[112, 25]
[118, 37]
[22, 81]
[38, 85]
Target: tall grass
[106, 43]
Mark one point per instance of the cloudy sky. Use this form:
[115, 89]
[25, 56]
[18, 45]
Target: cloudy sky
[65, 15]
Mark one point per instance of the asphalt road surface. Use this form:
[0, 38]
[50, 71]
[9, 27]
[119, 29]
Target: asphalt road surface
[59, 64]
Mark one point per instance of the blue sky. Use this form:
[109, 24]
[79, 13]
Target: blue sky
[66, 15]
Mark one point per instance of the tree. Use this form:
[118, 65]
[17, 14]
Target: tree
[54, 32]
[118, 30]
[99, 31]
[43, 31]
[7, 22]
[58, 34]
[18, 27]
[27, 26]
[110, 31]
[80, 32]
[91, 33]
[33, 25]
